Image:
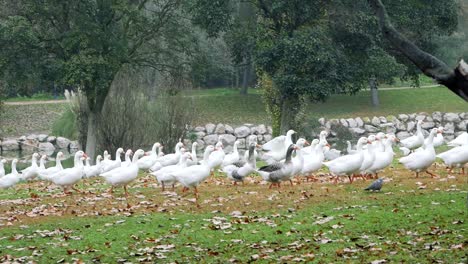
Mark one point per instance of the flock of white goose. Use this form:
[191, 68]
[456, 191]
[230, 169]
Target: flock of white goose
[285, 161]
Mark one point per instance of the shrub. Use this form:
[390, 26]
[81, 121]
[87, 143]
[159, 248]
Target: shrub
[66, 126]
[142, 109]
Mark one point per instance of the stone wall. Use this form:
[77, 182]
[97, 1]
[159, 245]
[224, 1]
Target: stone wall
[403, 126]
[209, 134]
[37, 143]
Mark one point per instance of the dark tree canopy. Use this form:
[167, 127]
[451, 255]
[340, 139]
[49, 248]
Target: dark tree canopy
[84, 44]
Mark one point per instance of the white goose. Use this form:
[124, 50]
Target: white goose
[12, 178]
[238, 171]
[328, 152]
[312, 148]
[349, 148]
[127, 161]
[369, 156]
[67, 178]
[42, 162]
[163, 175]
[218, 154]
[32, 171]
[124, 175]
[58, 167]
[414, 141]
[298, 160]
[251, 139]
[461, 140]
[95, 170]
[2, 167]
[278, 171]
[169, 159]
[106, 157]
[147, 162]
[378, 142]
[108, 165]
[348, 164]
[421, 160]
[194, 160]
[194, 175]
[313, 162]
[232, 157]
[277, 147]
[439, 138]
[456, 157]
[385, 158]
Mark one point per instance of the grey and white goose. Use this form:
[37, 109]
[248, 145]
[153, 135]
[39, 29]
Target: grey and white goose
[278, 171]
[239, 170]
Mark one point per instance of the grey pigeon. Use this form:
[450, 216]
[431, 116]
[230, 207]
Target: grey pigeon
[375, 186]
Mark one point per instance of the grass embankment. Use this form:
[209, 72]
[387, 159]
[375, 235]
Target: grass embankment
[227, 106]
[238, 109]
[26, 119]
[413, 220]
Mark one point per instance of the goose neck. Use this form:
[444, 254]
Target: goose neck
[13, 168]
[58, 163]
[251, 155]
[289, 155]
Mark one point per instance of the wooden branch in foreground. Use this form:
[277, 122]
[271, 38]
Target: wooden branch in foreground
[454, 79]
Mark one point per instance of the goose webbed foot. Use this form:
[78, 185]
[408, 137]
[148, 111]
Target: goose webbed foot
[432, 174]
[76, 190]
[126, 197]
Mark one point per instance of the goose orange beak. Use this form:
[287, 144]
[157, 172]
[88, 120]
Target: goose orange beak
[307, 143]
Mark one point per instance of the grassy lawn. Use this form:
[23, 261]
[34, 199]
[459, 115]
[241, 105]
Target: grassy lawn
[35, 97]
[412, 220]
[237, 109]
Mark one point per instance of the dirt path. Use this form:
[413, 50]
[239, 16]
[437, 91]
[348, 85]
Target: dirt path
[409, 87]
[37, 102]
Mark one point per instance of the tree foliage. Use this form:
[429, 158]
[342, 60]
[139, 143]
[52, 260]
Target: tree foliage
[84, 44]
[313, 49]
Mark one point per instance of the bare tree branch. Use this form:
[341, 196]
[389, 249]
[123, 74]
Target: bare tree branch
[456, 80]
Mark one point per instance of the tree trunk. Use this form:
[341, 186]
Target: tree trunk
[246, 77]
[374, 92]
[91, 138]
[289, 110]
[454, 79]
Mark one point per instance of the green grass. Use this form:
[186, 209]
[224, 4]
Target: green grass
[400, 225]
[35, 97]
[423, 80]
[219, 92]
[236, 109]
[65, 125]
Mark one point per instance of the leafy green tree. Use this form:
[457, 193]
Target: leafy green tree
[313, 49]
[84, 44]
